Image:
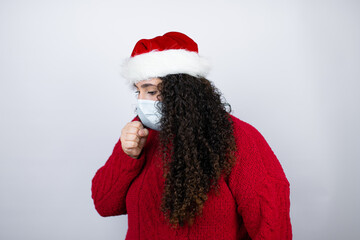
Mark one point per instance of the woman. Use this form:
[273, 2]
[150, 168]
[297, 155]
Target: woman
[184, 167]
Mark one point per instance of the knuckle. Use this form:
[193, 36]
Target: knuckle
[135, 138]
[128, 144]
[131, 136]
[133, 130]
[136, 123]
[131, 144]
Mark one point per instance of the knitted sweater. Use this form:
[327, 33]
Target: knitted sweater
[253, 202]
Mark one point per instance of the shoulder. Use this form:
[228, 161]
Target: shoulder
[254, 152]
[245, 129]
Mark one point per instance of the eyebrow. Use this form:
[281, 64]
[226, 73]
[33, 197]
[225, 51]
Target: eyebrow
[145, 85]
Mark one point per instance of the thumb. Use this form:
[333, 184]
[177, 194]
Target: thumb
[143, 137]
[143, 132]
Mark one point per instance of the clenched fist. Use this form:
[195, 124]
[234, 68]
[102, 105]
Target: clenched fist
[133, 138]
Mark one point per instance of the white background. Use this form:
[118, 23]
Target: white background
[289, 68]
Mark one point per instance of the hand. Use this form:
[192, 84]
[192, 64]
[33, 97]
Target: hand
[133, 138]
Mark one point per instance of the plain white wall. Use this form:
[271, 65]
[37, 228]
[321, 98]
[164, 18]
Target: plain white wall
[289, 68]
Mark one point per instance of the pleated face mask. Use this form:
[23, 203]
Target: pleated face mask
[148, 113]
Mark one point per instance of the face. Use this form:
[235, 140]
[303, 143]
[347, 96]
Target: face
[147, 89]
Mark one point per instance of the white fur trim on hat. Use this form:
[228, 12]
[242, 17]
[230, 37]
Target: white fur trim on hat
[161, 63]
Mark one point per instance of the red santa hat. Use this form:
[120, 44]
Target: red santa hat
[171, 53]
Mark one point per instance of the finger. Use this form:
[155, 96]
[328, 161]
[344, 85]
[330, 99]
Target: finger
[142, 142]
[133, 130]
[132, 137]
[130, 144]
[143, 132]
[136, 124]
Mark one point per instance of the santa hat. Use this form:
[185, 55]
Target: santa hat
[171, 53]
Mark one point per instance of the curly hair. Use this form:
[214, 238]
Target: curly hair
[196, 142]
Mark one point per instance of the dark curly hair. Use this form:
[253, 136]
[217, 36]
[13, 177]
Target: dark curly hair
[196, 142]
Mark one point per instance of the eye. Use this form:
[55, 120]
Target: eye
[137, 92]
[153, 92]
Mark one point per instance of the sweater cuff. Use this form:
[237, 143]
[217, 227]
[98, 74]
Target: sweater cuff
[127, 162]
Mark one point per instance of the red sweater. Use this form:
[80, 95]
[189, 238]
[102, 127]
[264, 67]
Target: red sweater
[253, 202]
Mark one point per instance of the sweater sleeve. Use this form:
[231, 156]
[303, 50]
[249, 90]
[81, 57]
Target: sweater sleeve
[111, 181]
[260, 187]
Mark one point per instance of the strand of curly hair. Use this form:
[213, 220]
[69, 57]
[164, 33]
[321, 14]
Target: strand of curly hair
[196, 142]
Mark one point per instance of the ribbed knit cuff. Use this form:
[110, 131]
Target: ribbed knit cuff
[127, 162]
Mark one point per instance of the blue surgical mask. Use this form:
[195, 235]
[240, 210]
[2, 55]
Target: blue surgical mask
[148, 113]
